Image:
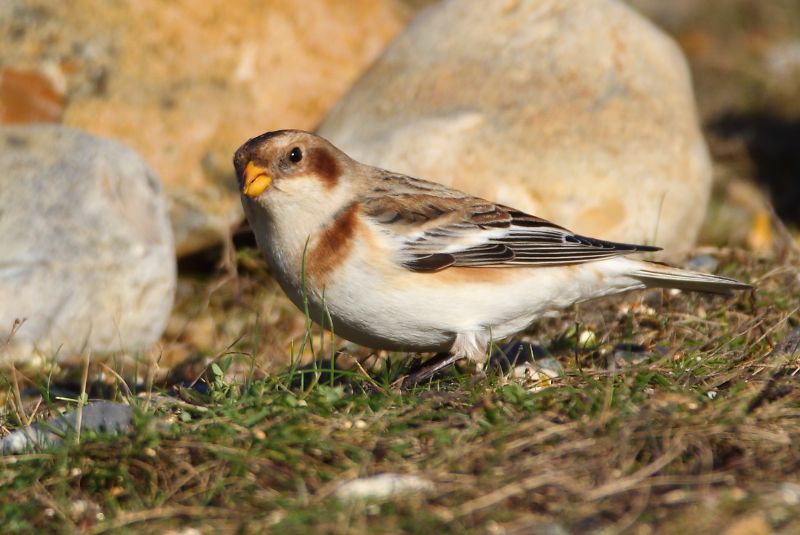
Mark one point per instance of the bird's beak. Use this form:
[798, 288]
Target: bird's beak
[256, 180]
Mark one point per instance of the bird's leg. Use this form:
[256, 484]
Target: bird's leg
[470, 345]
[424, 370]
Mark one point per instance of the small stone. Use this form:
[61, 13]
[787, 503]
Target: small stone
[532, 377]
[97, 416]
[529, 364]
[382, 487]
[183, 531]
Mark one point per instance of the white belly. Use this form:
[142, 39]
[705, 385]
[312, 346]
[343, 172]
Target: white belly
[377, 303]
[389, 307]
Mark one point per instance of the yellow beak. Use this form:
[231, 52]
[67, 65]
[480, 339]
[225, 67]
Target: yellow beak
[256, 180]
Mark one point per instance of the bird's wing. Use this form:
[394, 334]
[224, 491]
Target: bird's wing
[437, 228]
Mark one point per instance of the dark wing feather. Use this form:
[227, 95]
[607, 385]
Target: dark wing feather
[444, 228]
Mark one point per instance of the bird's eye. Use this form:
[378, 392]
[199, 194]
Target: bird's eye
[295, 155]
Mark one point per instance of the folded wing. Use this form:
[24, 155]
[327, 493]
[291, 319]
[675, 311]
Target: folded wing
[443, 228]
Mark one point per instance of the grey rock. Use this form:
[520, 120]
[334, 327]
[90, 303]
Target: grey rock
[579, 112]
[87, 256]
[98, 416]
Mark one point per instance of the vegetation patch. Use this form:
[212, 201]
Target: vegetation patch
[679, 412]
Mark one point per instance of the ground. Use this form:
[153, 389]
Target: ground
[666, 412]
[675, 412]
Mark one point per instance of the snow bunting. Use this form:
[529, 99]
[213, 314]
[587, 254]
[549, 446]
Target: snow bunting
[395, 262]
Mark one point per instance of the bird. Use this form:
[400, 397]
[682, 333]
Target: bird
[393, 262]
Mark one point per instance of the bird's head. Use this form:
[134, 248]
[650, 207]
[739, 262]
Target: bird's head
[290, 166]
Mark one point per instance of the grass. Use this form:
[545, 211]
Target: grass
[682, 416]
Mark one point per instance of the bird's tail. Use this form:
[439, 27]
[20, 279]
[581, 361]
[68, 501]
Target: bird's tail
[656, 275]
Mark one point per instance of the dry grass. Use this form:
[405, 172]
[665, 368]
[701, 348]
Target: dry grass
[697, 429]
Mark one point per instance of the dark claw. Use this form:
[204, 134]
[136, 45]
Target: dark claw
[421, 371]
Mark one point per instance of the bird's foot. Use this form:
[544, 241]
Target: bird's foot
[421, 371]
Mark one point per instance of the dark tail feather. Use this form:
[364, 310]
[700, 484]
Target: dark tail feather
[667, 277]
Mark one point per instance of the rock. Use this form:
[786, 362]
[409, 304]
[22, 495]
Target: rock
[530, 365]
[96, 416]
[28, 97]
[87, 252]
[185, 83]
[579, 112]
[382, 487]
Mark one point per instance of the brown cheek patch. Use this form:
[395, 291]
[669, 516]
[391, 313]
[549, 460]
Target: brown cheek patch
[333, 245]
[325, 166]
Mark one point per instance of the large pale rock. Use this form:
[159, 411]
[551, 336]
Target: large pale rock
[579, 112]
[87, 252]
[185, 82]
